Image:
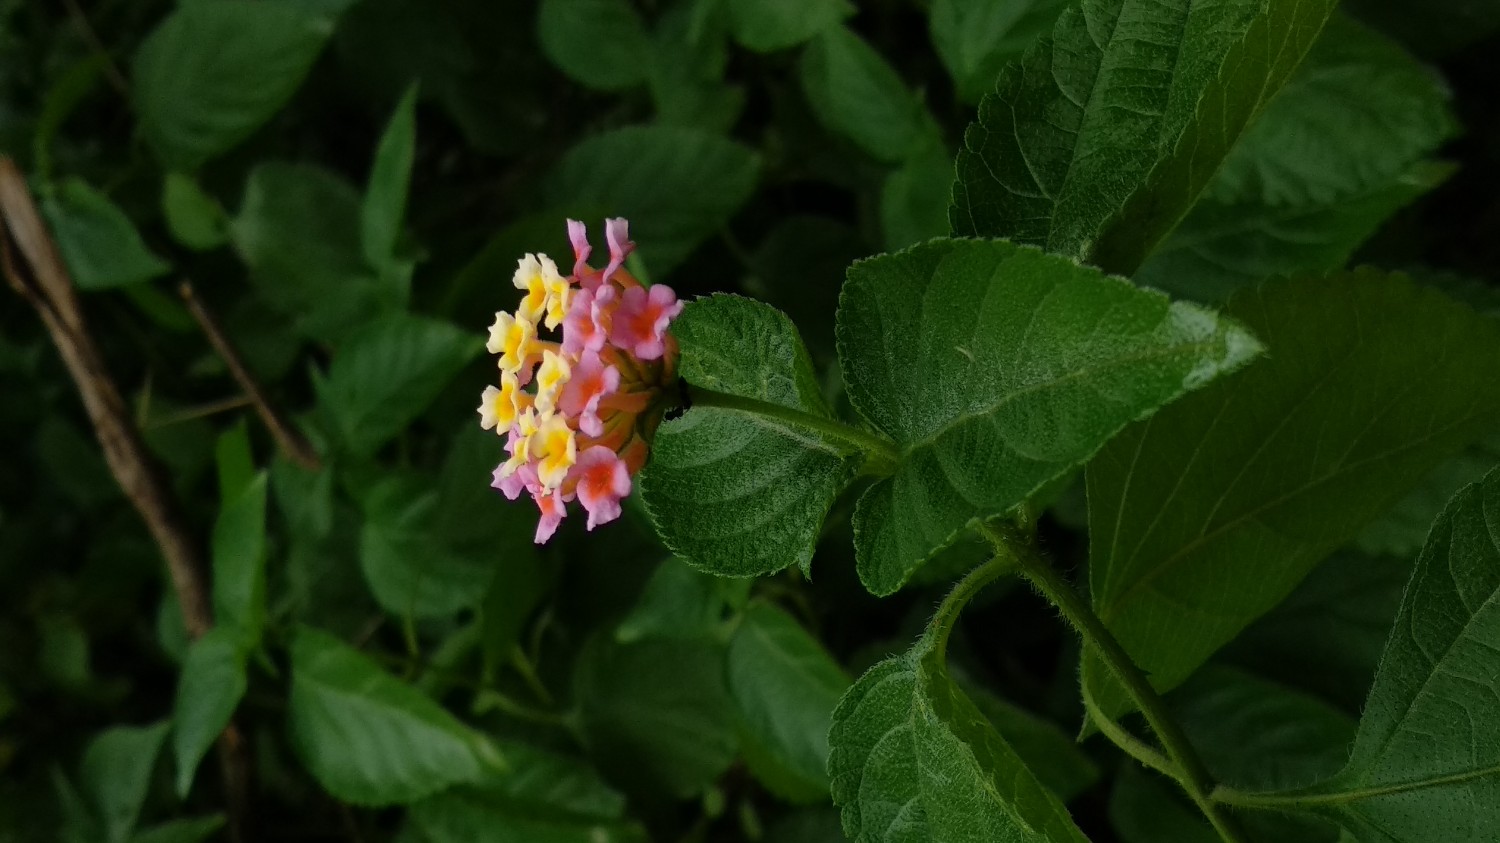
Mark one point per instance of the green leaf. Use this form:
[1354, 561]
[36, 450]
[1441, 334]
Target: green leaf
[1097, 143]
[914, 200]
[98, 242]
[1426, 759]
[737, 492]
[386, 373]
[208, 691]
[1053, 757]
[211, 73]
[857, 94]
[996, 368]
[558, 784]
[766, 26]
[689, 54]
[598, 43]
[913, 760]
[238, 543]
[194, 219]
[411, 569]
[384, 204]
[475, 818]
[677, 186]
[192, 830]
[681, 602]
[1402, 530]
[655, 714]
[368, 738]
[976, 38]
[116, 772]
[1206, 516]
[299, 232]
[785, 687]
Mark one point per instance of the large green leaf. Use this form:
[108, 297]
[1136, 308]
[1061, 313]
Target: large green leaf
[212, 73]
[1426, 760]
[386, 373]
[975, 38]
[1207, 515]
[736, 491]
[370, 739]
[996, 368]
[677, 186]
[913, 760]
[769, 25]
[1096, 144]
[209, 689]
[115, 774]
[855, 92]
[785, 687]
[599, 43]
[99, 244]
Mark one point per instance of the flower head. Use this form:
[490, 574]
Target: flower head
[584, 427]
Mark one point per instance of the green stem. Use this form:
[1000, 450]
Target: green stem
[941, 625]
[1132, 745]
[1193, 776]
[1284, 801]
[881, 453]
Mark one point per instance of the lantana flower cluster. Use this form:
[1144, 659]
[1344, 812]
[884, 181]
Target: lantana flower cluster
[578, 410]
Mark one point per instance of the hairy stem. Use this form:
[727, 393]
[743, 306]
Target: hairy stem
[882, 455]
[1189, 772]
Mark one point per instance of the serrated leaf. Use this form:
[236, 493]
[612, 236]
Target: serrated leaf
[193, 217]
[116, 772]
[1426, 759]
[856, 93]
[384, 205]
[785, 687]
[99, 244]
[598, 43]
[737, 492]
[1207, 515]
[211, 73]
[769, 25]
[996, 368]
[676, 185]
[370, 739]
[209, 689]
[976, 38]
[386, 373]
[1099, 140]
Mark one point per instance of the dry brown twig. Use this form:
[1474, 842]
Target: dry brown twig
[34, 268]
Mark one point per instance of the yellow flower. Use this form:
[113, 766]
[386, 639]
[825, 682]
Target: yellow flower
[554, 372]
[521, 436]
[557, 449]
[514, 339]
[547, 292]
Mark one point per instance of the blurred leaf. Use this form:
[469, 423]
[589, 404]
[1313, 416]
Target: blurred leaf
[856, 93]
[677, 186]
[209, 689]
[1426, 759]
[976, 38]
[386, 373]
[1435, 28]
[368, 738]
[181, 831]
[466, 818]
[655, 714]
[239, 562]
[1207, 515]
[234, 461]
[410, 567]
[305, 498]
[1402, 530]
[1095, 147]
[996, 368]
[1146, 808]
[798, 269]
[194, 219]
[914, 200]
[785, 687]
[115, 773]
[211, 73]
[769, 25]
[1053, 757]
[384, 204]
[98, 242]
[681, 602]
[599, 43]
[61, 101]
[734, 492]
[557, 784]
[688, 56]
[63, 651]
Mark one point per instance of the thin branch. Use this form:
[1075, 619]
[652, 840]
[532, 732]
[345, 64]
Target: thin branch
[35, 270]
[288, 439]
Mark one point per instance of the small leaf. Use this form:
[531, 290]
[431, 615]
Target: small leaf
[193, 217]
[856, 93]
[766, 26]
[209, 689]
[1207, 515]
[734, 492]
[785, 687]
[598, 43]
[386, 373]
[211, 73]
[384, 204]
[677, 186]
[368, 738]
[1099, 140]
[680, 602]
[239, 541]
[542, 780]
[99, 244]
[116, 772]
[411, 569]
[976, 38]
[996, 368]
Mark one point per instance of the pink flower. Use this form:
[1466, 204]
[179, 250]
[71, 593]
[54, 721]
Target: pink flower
[617, 232]
[553, 507]
[640, 322]
[513, 484]
[592, 380]
[603, 478]
[578, 234]
[586, 327]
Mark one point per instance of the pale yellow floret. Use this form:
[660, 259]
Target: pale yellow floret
[550, 378]
[559, 293]
[531, 277]
[510, 401]
[491, 407]
[514, 339]
[557, 450]
[527, 424]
